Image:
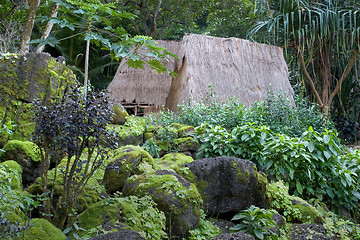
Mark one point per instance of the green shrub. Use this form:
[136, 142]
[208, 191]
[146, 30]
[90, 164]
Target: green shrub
[257, 222]
[310, 164]
[283, 116]
[206, 230]
[275, 111]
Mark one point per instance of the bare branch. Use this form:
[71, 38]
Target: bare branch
[346, 72]
[308, 77]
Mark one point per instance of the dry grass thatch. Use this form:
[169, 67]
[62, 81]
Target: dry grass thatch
[234, 67]
[143, 86]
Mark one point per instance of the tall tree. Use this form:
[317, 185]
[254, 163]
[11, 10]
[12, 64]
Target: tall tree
[323, 35]
[155, 16]
[26, 36]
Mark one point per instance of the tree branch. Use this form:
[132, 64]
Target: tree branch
[8, 12]
[49, 26]
[346, 72]
[308, 77]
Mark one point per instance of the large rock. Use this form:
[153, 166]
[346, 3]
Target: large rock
[294, 209]
[174, 195]
[126, 213]
[127, 161]
[309, 231]
[234, 236]
[119, 235]
[27, 155]
[23, 79]
[41, 229]
[228, 185]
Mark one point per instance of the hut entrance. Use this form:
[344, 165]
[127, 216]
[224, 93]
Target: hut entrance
[139, 109]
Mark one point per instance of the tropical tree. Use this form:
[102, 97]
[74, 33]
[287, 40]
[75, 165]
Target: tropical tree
[233, 18]
[323, 36]
[154, 17]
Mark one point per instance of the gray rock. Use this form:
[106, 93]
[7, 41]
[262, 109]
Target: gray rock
[120, 235]
[309, 231]
[229, 185]
[234, 236]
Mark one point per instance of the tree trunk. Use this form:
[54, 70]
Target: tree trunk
[86, 72]
[26, 36]
[49, 26]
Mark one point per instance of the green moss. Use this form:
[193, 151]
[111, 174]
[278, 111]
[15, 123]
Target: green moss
[173, 196]
[173, 161]
[30, 149]
[92, 192]
[120, 115]
[150, 128]
[138, 214]
[27, 78]
[309, 214]
[41, 229]
[14, 176]
[128, 160]
[169, 185]
[294, 209]
[148, 135]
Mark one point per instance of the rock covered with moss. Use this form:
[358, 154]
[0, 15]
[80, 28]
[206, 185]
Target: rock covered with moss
[10, 175]
[294, 209]
[228, 184]
[175, 196]
[124, 213]
[25, 78]
[173, 161]
[120, 115]
[127, 161]
[41, 229]
[27, 155]
[93, 190]
[175, 138]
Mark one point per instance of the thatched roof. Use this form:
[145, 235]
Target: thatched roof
[234, 67]
[143, 86]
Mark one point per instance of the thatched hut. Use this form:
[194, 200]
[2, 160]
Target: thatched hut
[233, 66]
[143, 88]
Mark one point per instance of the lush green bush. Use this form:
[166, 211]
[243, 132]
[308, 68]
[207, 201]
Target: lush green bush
[275, 111]
[311, 164]
[283, 116]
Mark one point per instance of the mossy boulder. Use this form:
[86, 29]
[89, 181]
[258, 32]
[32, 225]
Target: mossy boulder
[120, 115]
[93, 190]
[294, 209]
[175, 196]
[27, 155]
[131, 213]
[25, 78]
[173, 161]
[228, 185]
[126, 135]
[41, 229]
[127, 161]
[11, 174]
